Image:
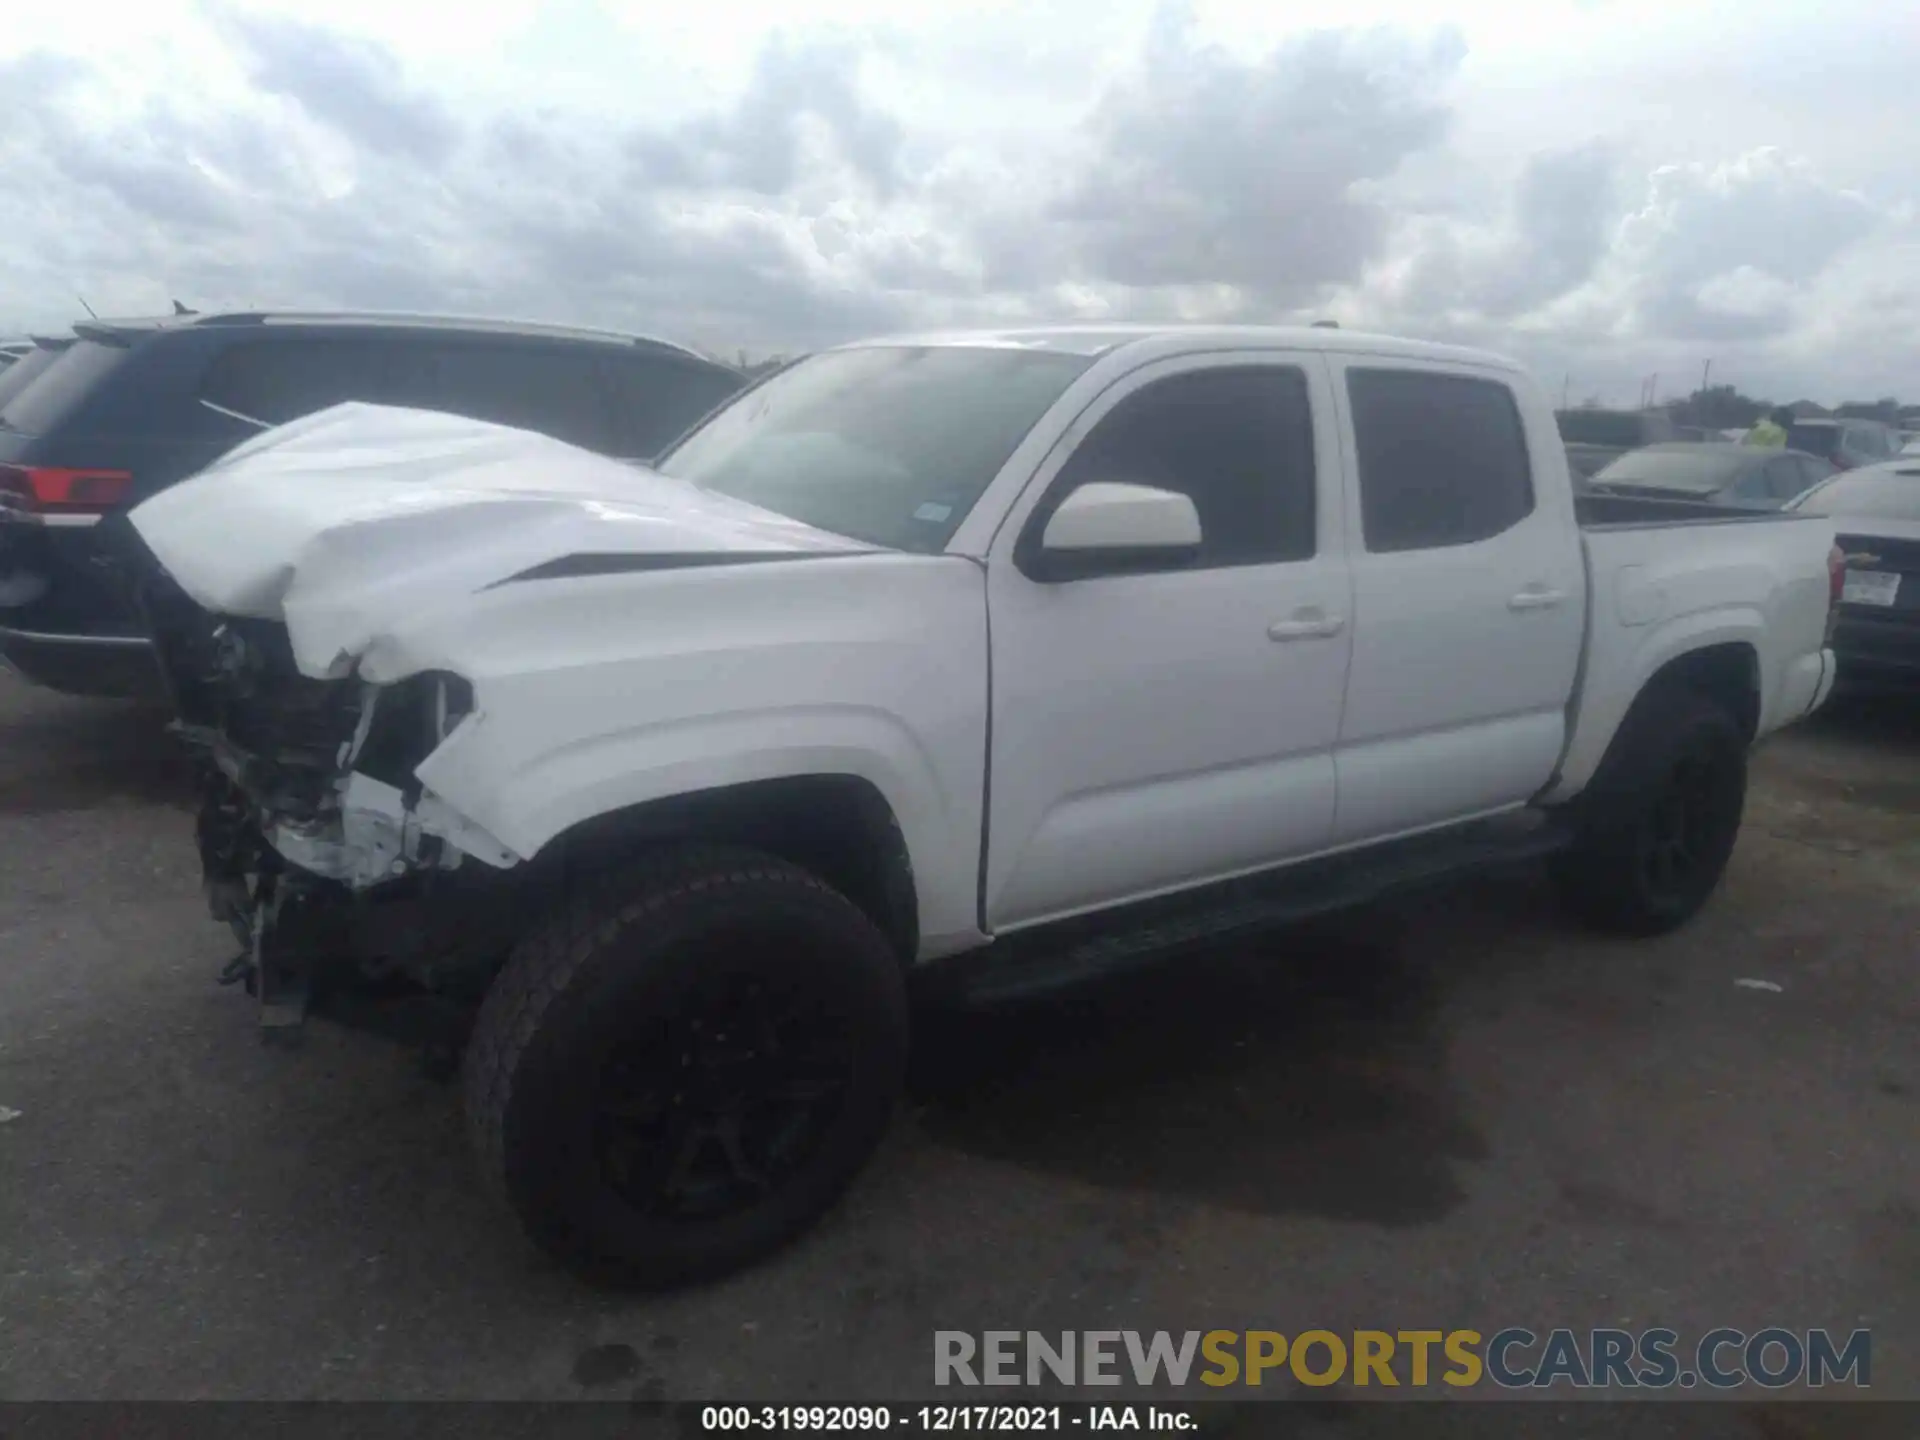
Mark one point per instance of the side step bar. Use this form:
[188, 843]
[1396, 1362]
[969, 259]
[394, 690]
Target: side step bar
[1053, 957]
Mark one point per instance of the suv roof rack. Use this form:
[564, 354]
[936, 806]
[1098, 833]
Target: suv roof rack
[407, 319]
[118, 330]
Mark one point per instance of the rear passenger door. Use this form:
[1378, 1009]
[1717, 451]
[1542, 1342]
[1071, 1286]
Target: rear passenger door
[1469, 599]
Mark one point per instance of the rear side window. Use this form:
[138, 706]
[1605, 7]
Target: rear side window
[281, 380]
[554, 392]
[16, 376]
[1443, 458]
[72, 376]
[1238, 442]
[656, 400]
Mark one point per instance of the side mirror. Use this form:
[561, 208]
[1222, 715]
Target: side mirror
[1106, 527]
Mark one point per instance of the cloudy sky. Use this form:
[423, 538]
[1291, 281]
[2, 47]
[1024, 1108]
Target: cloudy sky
[1606, 188]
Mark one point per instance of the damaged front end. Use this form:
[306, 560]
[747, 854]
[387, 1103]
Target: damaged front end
[319, 846]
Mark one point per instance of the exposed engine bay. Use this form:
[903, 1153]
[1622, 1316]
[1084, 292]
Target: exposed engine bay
[319, 847]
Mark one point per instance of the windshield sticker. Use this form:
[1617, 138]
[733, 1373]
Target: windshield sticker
[933, 514]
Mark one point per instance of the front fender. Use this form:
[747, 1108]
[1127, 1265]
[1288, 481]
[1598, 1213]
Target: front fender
[595, 695]
[524, 798]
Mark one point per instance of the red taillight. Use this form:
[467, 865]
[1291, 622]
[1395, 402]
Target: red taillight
[49, 487]
[1836, 577]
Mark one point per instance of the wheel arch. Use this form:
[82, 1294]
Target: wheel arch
[1717, 654]
[839, 827]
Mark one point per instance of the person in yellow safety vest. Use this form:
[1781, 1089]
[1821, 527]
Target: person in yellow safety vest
[1772, 431]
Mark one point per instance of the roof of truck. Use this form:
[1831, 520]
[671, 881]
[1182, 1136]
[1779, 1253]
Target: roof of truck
[1093, 340]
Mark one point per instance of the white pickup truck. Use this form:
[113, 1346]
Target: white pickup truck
[1006, 658]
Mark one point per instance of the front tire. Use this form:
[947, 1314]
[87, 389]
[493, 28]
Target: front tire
[1658, 824]
[686, 1065]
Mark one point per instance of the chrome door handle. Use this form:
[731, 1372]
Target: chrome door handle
[1536, 599]
[1311, 625]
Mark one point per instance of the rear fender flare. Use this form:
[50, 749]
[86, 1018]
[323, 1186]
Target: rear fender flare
[1608, 697]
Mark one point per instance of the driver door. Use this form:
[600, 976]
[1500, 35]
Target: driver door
[1156, 728]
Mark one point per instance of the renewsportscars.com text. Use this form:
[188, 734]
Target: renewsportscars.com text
[1512, 1358]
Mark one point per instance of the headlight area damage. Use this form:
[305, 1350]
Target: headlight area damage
[340, 874]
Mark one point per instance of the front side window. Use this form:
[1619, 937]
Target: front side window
[1443, 458]
[890, 445]
[1238, 442]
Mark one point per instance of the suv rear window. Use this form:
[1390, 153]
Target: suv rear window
[554, 392]
[73, 375]
[15, 377]
[281, 380]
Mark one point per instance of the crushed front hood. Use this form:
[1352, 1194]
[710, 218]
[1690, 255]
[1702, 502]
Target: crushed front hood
[341, 523]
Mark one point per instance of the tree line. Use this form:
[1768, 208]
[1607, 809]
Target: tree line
[1723, 407]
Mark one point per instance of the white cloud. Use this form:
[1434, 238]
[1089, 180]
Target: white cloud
[1608, 187]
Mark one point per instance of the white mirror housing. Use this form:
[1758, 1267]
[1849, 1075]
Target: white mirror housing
[1124, 519]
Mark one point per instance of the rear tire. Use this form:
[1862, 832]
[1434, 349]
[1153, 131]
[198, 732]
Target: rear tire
[1658, 824]
[686, 1065]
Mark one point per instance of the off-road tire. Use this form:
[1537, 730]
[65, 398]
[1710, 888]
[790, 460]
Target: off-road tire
[1609, 877]
[613, 957]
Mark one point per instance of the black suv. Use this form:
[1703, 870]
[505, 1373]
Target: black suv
[125, 408]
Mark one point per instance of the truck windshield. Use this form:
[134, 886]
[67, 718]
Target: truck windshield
[891, 445]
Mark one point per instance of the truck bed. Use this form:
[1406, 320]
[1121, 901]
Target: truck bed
[1639, 512]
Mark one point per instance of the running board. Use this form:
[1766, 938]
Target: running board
[1034, 962]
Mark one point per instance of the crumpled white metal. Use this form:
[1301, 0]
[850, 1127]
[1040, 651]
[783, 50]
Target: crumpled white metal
[350, 520]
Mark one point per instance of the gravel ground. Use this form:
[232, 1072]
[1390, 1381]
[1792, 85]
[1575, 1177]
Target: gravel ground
[1456, 1112]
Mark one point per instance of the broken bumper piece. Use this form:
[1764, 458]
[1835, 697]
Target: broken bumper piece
[313, 829]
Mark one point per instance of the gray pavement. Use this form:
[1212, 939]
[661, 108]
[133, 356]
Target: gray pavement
[1456, 1112]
